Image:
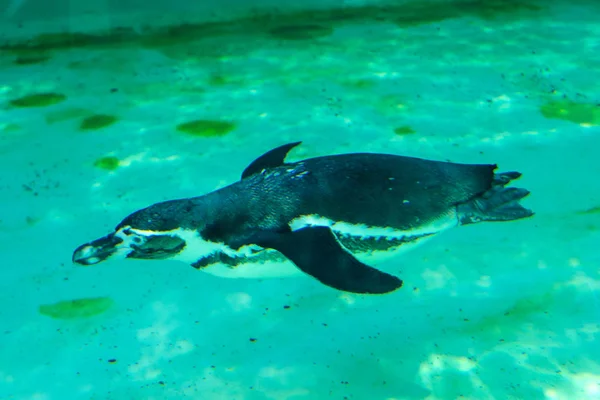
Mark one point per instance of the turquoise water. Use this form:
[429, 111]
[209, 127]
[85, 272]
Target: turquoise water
[91, 130]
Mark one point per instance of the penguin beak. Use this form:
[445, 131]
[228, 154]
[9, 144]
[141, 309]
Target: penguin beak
[97, 251]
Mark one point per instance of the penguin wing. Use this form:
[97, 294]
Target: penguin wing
[271, 159]
[316, 251]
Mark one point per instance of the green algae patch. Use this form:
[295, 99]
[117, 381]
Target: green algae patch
[11, 127]
[206, 128]
[301, 32]
[38, 100]
[590, 211]
[219, 80]
[62, 40]
[72, 40]
[30, 59]
[421, 13]
[496, 9]
[579, 113]
[360, 83]
[96, 122]
[509, 321]
[175, 35]
[535, 305]
[32, 221]
[77, 309]
[404, 130]
[108, 163]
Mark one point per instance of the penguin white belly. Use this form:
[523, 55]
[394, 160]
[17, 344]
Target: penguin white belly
[254, 270]
[252, 266]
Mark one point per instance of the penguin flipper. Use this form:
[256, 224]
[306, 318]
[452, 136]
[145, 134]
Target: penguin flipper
[316, 251]
[271, 159]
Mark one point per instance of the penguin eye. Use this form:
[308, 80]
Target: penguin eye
[127, 231]
[137, 239]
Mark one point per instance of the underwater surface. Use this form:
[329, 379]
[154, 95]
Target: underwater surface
[94, 126]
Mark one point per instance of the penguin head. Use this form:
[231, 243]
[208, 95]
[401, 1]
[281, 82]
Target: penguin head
[128, 242]
[150, 233]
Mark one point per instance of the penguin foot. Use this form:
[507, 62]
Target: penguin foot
[497, 204]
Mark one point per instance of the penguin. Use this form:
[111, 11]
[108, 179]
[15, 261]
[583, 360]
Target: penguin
[331, 217]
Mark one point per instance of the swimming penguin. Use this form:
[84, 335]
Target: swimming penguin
[327, 216]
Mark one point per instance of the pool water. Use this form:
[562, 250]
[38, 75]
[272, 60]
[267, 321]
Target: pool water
[95, 124]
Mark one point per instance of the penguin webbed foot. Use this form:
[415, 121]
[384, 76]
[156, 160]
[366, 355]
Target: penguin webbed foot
[504, 178]
[497, 204]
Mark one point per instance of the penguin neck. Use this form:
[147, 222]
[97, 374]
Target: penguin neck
[224, 212]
